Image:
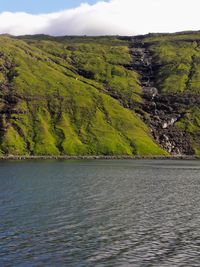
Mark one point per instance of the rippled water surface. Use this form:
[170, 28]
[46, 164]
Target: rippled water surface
[100, 213]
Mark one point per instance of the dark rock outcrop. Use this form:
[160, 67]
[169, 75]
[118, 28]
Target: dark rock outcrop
[164, 110]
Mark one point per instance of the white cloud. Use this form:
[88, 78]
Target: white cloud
[122, 17]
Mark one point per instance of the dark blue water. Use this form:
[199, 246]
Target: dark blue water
[100, 213]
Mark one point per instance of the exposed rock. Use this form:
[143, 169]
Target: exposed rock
[164, 110]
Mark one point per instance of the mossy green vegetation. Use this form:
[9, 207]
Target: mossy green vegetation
[63, 99]
[190, 124]
[67, 95]
[179, 64]
[177, 72]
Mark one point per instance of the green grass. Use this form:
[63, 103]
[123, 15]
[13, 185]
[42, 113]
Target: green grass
[70, 91]
[64, 105]
[178, 58]
[190, 124]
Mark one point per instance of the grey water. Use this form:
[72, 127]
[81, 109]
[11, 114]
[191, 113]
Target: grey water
[100, 213]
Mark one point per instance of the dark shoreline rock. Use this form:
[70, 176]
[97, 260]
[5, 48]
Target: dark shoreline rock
[102, 157]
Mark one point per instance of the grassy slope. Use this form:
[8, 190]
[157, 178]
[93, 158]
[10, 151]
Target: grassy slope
[57, 94]
[178, 59]
[55, 98]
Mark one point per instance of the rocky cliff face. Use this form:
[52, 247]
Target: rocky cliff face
[100, 96]
[165, 110]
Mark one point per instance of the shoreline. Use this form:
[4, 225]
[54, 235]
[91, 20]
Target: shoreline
[101, 157]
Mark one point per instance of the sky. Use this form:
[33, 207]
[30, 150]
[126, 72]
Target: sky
[90, 17]
[40, 6]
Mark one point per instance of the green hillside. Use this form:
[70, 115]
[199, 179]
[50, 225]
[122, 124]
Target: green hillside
[177, 60]
[76, 95]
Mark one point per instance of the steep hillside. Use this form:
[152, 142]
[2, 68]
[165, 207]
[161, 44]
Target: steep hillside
[176, 75]
[169, 68]
[99, 96]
